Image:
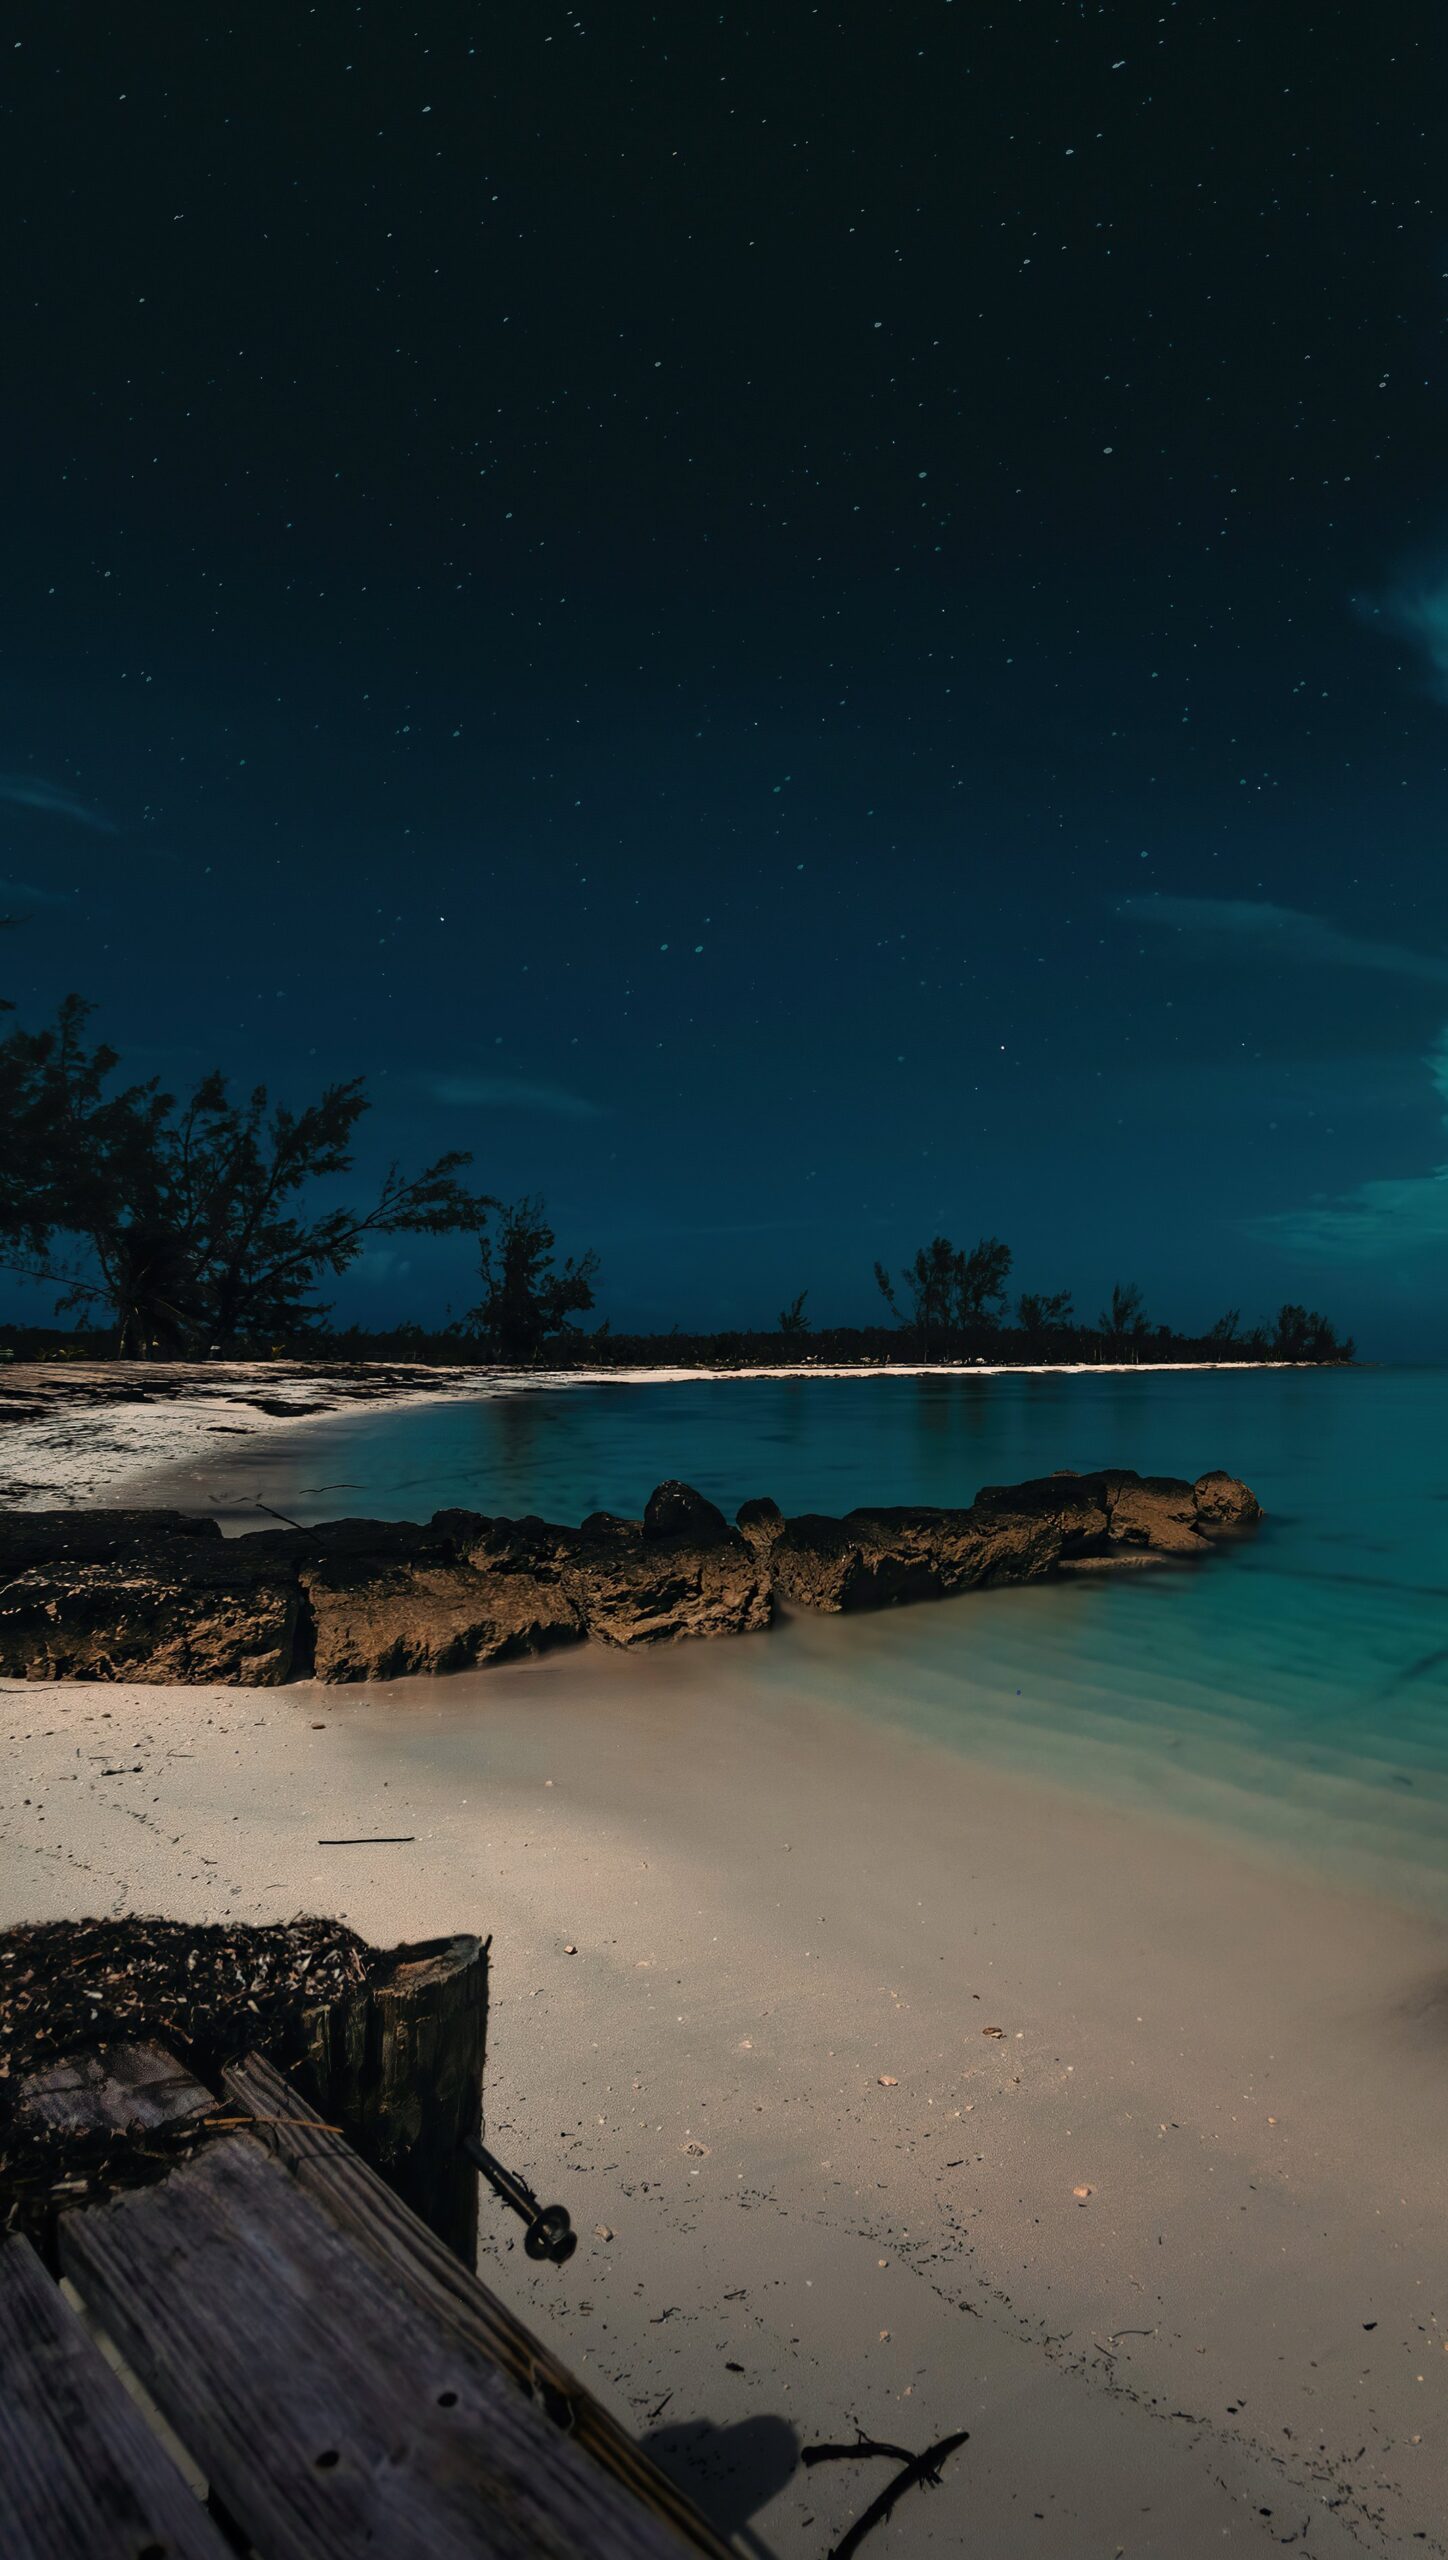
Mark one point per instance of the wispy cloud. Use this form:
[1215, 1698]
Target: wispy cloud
[1419, 612]
[1256, 929]
[27, 791]
[510, 1093]
[23, 893]
[1376, 1219]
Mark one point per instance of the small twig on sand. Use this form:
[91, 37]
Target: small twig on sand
[370, 1840]
[921, 2469]
[860, 2451]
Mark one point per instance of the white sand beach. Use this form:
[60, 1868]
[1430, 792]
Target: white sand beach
[836, 2197]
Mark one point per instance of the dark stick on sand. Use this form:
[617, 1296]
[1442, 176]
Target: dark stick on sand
[921, 2469]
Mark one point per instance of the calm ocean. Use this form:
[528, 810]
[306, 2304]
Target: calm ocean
[1294, 1690]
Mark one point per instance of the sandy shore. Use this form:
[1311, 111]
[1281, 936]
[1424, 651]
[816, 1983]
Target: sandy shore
[86, 1432]
[833, 2196]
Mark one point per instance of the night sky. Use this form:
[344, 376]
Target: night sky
[797, 626]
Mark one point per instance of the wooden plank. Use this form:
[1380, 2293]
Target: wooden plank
[82, 2477]
[330, 2414]
[403, 2248]
[126, 2088]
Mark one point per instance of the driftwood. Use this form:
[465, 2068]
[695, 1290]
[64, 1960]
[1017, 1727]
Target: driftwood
[921, 2470]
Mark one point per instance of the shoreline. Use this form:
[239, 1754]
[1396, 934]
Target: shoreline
[749, 1953]
[80, 1432]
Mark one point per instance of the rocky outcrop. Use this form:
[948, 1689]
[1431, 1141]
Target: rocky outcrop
[874, 1559]
[1224, 1502]
[158, 1596]
[137, 1595]
[381, 1598]
[677, 1511]
[1010, 1533]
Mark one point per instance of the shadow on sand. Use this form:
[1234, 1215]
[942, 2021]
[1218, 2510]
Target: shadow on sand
[729, 2472]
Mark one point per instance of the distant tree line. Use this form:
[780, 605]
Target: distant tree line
[953, 1303]
[180, 1225]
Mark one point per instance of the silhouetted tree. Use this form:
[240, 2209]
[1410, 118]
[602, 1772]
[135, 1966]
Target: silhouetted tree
[792, 1319]
[980, 1283]
[69, 1142]
[948, 1287]
[1225, 1330]
[526, 1302]
[1125, 1319]
[1303, 1334]
[1042, 1318]
[191, 1218]
[930, 1280]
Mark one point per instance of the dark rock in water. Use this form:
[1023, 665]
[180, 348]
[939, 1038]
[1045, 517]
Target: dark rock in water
[875, 1559]
[642, 1590]
[1224, 1502]
[677, 1511]
[603, 1524]
[520, 1563]
[119, 1600]
[1074, 1504]
[760, 1523]
[382, 1598]
[91, 1537]
[158, 1596]
[1011, 1533]
[1152, 1511]
[625, 1581]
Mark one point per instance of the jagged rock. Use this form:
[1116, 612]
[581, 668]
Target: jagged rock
[815, 1562]
[1159, 1512]
[91, 1537]
[1224, 1502]
[520, 1563]
[628, 1581]
[875, 1559]
[760, 1523]
[109, 1596]
[677, 1511]
[159, 1596]
[1075, 1504]
[381, 1599]
[633, 1589]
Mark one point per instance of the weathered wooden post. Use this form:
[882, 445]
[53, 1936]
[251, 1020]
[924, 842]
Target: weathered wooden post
[398, 2065]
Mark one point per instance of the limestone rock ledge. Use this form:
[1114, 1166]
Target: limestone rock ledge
[159, 1596]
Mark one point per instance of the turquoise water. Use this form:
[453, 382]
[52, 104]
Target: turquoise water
[1294, 1689]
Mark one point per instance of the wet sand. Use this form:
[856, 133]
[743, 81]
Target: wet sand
[833, 2197]
[86, 1432]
